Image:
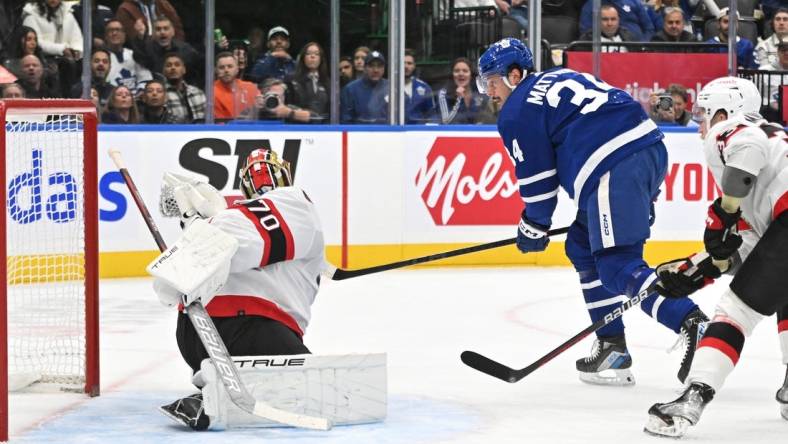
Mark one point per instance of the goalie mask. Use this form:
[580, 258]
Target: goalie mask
[262, 172]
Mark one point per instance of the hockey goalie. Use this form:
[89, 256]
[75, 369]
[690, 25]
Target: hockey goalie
[256, 268]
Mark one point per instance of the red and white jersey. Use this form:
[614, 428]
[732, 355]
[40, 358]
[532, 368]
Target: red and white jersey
[275, 272]
[761, 149]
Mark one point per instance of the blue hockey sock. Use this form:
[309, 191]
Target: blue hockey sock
[668, 312]
[599, 302]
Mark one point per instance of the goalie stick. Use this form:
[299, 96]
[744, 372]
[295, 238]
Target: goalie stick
[338, 274]
[504, 373]
[211, 340]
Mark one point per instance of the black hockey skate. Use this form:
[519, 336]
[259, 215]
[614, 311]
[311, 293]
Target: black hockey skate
[692, 329]
[608, 364]
[674, 418]
[188, 411]
[782, 396]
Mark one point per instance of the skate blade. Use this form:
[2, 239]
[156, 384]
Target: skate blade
[657, 427]
[784, 411]
[613, 377]
[173, 416]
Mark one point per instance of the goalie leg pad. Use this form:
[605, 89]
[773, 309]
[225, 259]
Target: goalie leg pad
[345, 389]
[761, 280]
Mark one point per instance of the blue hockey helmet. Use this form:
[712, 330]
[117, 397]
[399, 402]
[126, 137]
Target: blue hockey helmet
[500, 58]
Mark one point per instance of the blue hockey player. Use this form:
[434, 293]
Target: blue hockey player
[570, 130]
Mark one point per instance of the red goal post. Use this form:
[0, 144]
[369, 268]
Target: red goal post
[49, 240]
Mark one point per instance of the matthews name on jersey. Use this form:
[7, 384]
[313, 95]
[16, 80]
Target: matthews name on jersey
[566, 128]
[275, 272]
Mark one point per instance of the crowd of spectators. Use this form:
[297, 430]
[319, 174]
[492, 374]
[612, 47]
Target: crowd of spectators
[145, 70]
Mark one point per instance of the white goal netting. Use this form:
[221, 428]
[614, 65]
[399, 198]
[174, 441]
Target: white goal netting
[45, 239]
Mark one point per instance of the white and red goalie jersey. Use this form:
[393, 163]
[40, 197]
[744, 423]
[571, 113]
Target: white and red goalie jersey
[761, 149]
[276, 270]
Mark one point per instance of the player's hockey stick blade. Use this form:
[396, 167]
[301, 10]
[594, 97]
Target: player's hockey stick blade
[497, 370]
[210, 338]
[338, 274]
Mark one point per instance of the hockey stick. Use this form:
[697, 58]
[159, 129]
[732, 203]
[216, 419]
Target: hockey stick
[211, 340]
[338, 274]
[504, 373]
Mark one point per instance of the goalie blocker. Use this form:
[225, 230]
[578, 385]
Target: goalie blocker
[345, 389]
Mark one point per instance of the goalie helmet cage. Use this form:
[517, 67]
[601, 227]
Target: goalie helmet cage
[49, 241]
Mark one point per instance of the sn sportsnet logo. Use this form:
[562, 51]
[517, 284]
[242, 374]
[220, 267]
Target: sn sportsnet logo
[469, 181]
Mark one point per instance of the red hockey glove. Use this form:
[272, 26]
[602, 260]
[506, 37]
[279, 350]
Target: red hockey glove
[721, 237]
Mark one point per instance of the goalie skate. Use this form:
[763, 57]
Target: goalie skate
[782, 397]
[672, 419]
[608, 363]
[188, 411]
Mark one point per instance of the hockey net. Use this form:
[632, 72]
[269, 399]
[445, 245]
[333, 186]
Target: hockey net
[49, 303]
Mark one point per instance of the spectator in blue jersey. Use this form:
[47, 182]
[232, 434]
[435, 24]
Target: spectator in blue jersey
[459, 102]
[366, 100]
[276, 62]
[565, 129]
[745, 50]
[632, 13]
[419, 103]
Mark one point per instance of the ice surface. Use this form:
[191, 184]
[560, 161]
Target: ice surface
[424, 319]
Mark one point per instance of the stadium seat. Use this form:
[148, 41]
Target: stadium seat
[559, 29]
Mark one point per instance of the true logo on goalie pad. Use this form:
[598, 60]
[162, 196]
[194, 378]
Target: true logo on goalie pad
[284, 362]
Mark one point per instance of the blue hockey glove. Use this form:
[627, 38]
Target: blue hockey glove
[531, 237]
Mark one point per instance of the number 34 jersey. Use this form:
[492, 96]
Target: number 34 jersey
[565, 128]
[276, 271]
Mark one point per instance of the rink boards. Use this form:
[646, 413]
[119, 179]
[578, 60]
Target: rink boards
[383, 193]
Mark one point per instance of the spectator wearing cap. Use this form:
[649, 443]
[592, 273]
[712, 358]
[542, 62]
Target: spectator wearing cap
[766, 51]
[419, 103]
[365, 100]
[232, 96]
[673, 27]
[632, 14]
[771, 93]
[745, 51]
[276, 63]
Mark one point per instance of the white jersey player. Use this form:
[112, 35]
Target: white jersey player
[749, 160]
[264, 255]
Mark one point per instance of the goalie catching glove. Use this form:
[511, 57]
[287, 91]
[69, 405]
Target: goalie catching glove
[189, 198]
[195, 267]
[682, 277]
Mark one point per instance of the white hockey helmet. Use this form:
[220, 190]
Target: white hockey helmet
[733, 95]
